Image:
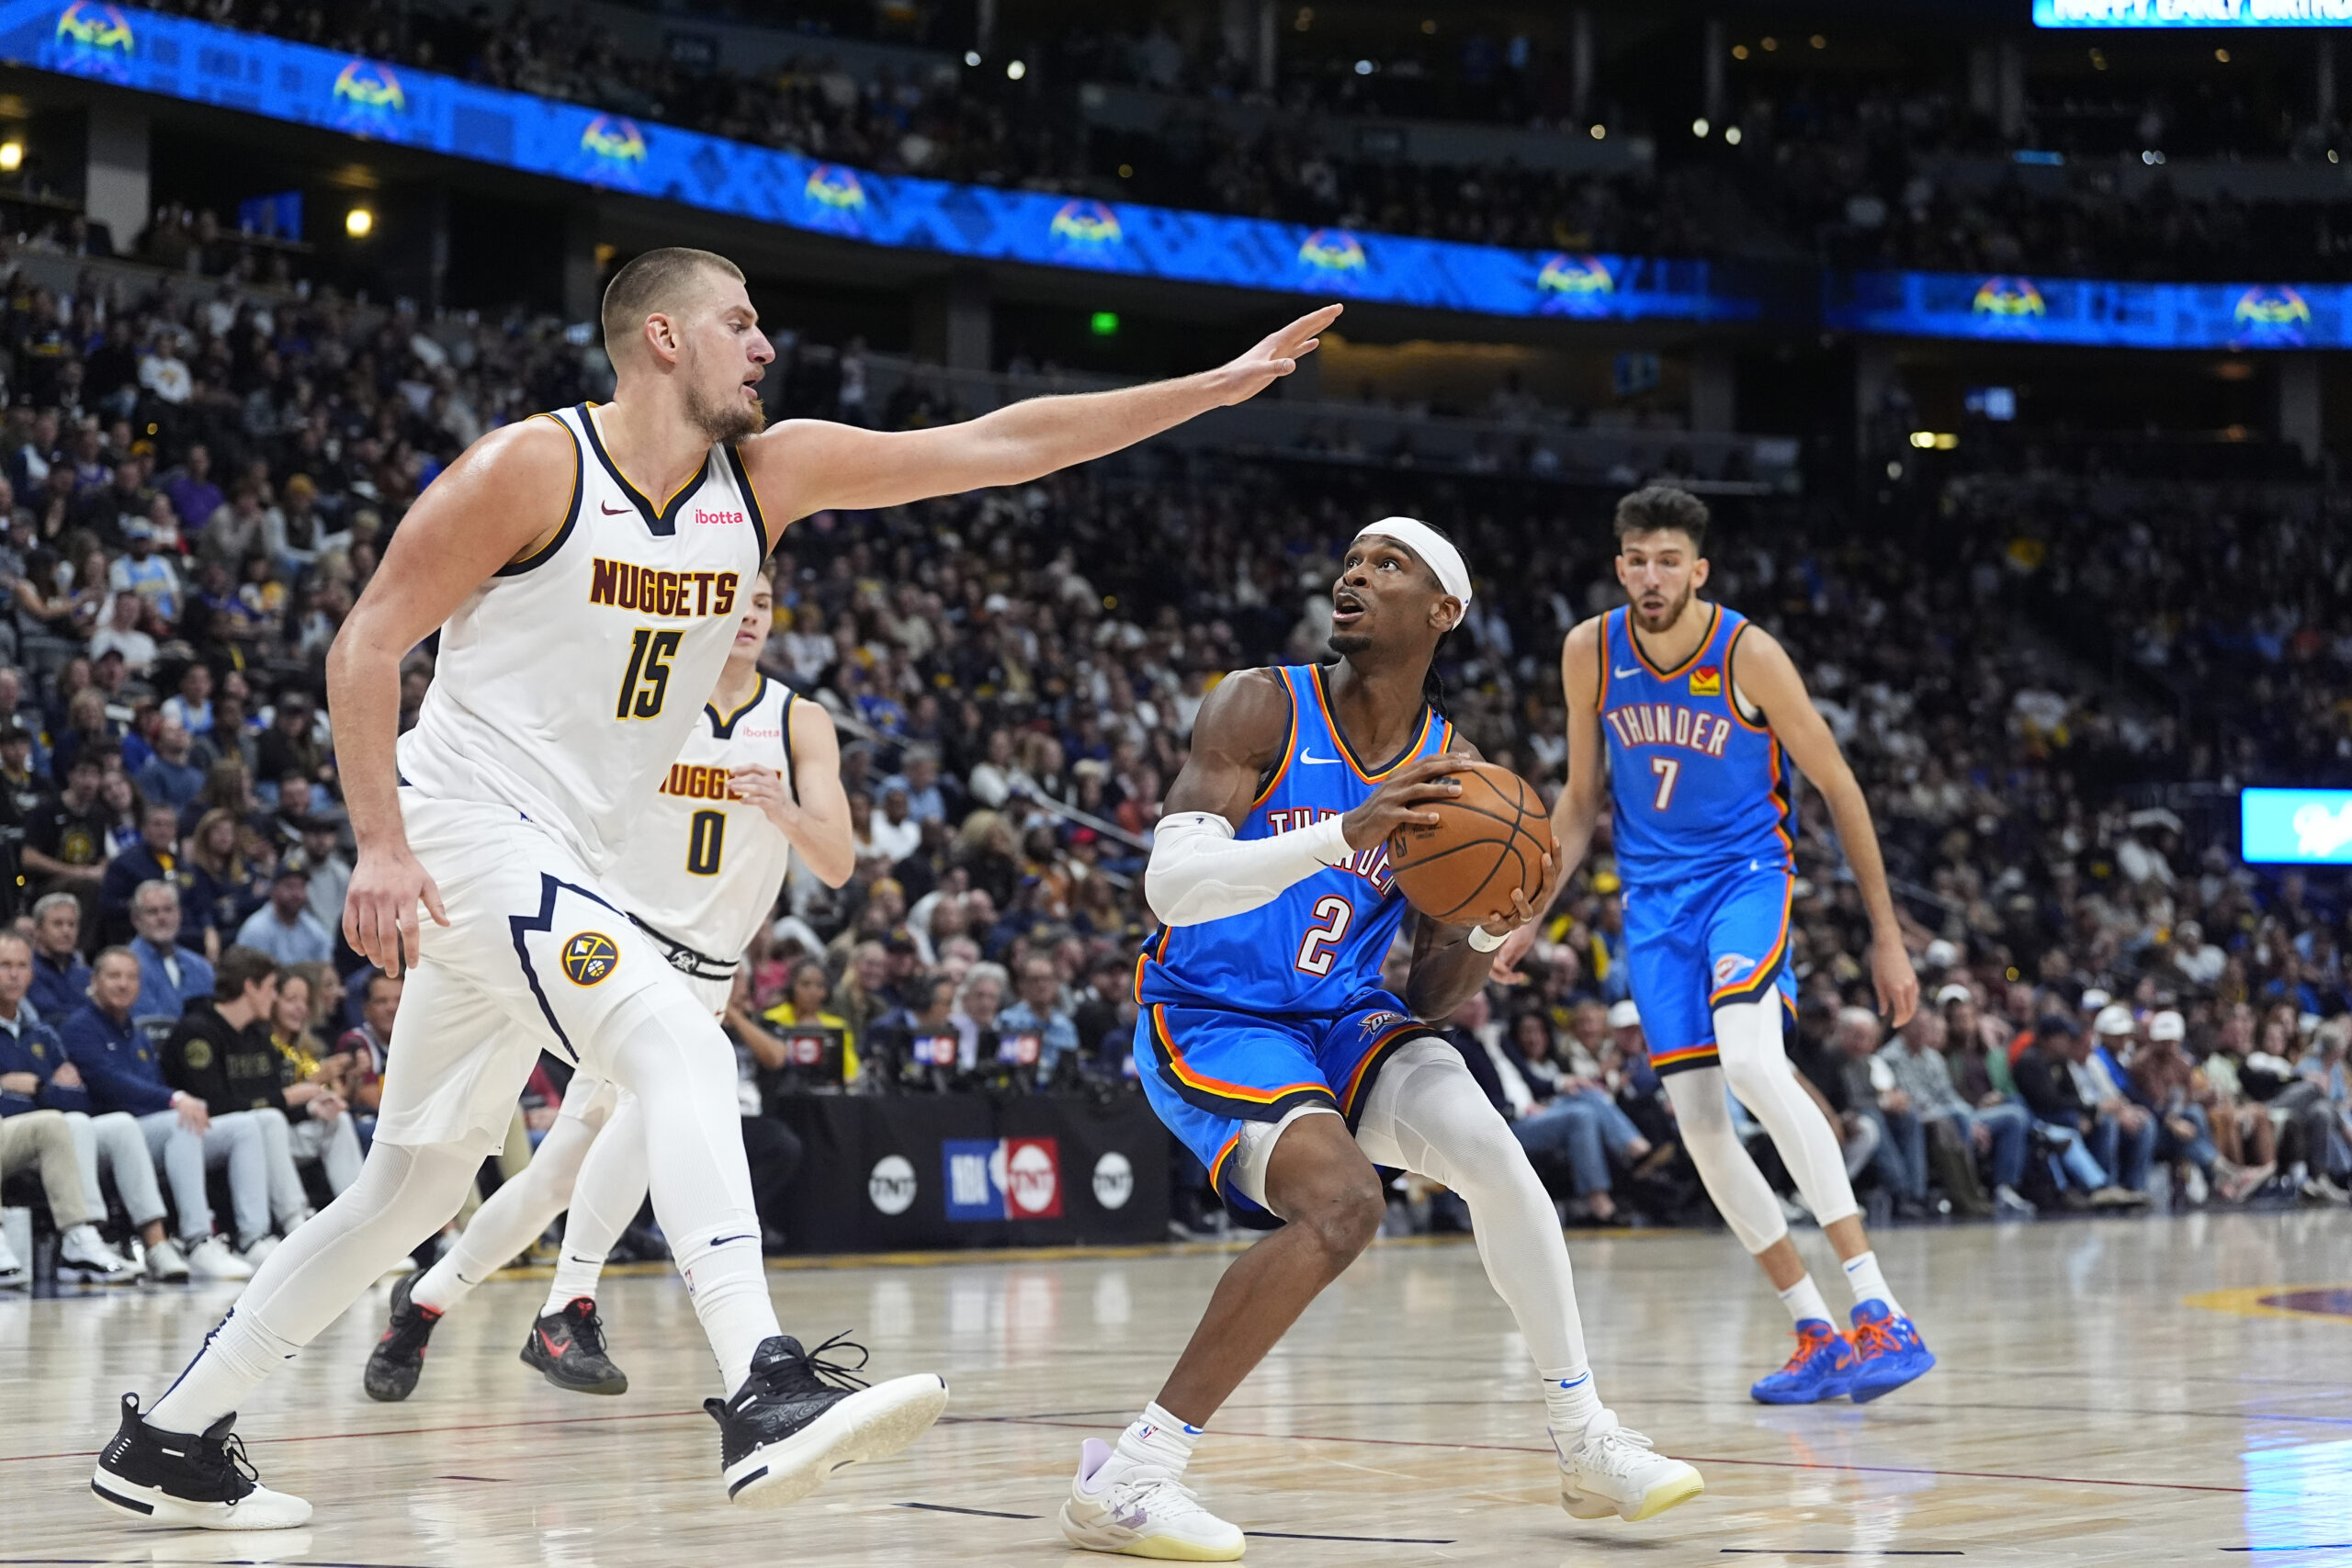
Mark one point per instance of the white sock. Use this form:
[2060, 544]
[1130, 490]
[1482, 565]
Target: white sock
[575, 1277]
[1868, 1284]
[1805, 1302]
[237, 1355]
[1157, 1440]
[1570, 1401]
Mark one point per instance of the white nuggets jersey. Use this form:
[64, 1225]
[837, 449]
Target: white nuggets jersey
[700, 868]
[568, 683]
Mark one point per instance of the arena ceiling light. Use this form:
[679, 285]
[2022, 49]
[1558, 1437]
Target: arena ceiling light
[358, 223]
[1731, 136]
[1015, 70]
[12, 156]
[1699, 128]
[1934, 440]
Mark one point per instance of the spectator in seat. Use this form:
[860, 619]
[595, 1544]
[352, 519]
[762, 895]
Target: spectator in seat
[311, 1080]
[330, 871]
[170, 976]
[889, 1046]
[44, 1109]
[216, 880]
[368, 1046]
[221, 1052]
[169, 775]
[60, 980]
[284, 928]
[892, 832]
[290, 744]
[191, 707]
[153, 858]
[2167, 1083]
[147, 577]
[1567, 1117]
[2054, 1079]
[1037, 1010]
[119, 1064]
[1873, 1094]
[1957, 1132]
[977, 1001]
[805, 1003]
[66, 836]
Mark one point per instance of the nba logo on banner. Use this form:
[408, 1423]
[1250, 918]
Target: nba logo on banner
[1002, 1178]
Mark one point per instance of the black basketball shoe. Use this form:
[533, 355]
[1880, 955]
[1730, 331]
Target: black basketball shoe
[397, 1359]
[796, 1419]
[190, 1481]
[568, 1348]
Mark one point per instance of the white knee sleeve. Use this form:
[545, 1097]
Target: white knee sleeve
[611, 1187]
[1747, 1037]
[513, 1216]
[1427, 1114]
[1740, 1192]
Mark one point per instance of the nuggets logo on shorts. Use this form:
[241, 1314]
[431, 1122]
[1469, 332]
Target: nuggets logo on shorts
[589, 957]
[1730, 964]
[1707, 681]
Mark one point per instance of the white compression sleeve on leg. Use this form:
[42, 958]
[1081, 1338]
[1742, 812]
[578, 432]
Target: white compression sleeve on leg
[682, 1069]
[1748, 1039]
[1427, 1114]
[1199, 871]
[403, 1195]
[1741, 1194]
[605, 1198]
[514, 1216]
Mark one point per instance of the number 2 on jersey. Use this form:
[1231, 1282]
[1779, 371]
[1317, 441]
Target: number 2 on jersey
[1315, 949]
[646, 685]
[1667, 769]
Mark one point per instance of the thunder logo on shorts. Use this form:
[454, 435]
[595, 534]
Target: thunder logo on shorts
[589, 957]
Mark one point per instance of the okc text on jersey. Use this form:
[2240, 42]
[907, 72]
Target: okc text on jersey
[682, 595]
[1669, 724]
[1372, 864]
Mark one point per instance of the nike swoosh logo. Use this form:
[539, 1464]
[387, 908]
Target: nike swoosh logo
[1311, 760]
[723, 1240]
[611, 511]
[1626, 674]
[555, 1346]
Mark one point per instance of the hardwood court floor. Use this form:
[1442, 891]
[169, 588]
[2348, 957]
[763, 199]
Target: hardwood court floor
[2087, 1410]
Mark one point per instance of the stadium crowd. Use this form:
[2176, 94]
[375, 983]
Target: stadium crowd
[197, 484]
[1831, 167]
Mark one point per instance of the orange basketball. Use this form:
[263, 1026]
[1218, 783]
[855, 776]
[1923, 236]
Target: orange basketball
[1488, 841]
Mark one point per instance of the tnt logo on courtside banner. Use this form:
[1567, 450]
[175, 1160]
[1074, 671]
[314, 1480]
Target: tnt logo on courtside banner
[589, 957]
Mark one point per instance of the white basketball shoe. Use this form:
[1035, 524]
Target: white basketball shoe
[1610, 1470]
[1141, 1511]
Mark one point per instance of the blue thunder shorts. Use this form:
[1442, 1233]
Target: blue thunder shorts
[1696, 945]
[1209, 1070]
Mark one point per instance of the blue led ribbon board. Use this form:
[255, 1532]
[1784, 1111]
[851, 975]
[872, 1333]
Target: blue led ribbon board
[2015, 309]
[2295, 827]
[200, 64]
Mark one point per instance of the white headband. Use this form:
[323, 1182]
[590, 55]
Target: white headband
[1432, 547]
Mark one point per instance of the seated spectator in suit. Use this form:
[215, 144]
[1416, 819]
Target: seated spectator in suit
[60, 980]
[119, 1064]
[154, 858]
[170, 976]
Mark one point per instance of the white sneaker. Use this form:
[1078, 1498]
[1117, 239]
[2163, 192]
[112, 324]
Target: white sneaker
[301, 1218]
[211, 1258]
[260, 1249]
[1141, 1512]
[1613, 1470]
[2320, 1189]
[14, 1275]
[85, 1253]
[2195, 1187]
[165, 1264]
[2009, 1204]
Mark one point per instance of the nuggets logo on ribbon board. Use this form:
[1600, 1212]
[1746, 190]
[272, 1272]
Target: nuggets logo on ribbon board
[95, 40]
[369, 98]
[590, 958]
[1002, 1178]
[611, 152]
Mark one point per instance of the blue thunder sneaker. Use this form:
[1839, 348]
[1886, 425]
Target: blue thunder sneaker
[1887, 1352]
[1821, 1367]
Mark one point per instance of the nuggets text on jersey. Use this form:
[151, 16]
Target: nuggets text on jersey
[683, 595]
[690, 782]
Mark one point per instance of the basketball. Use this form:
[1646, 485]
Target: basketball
[1488, 841]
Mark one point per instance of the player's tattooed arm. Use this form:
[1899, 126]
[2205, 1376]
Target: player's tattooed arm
[1576, 812]
[1762, 672]
[805, 464]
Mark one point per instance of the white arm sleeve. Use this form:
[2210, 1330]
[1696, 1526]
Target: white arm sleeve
[1199, 872]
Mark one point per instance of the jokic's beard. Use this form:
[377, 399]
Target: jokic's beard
[724, 422]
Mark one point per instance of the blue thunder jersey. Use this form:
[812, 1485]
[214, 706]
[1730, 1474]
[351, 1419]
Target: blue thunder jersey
[1319, 945]
[1699, 787]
